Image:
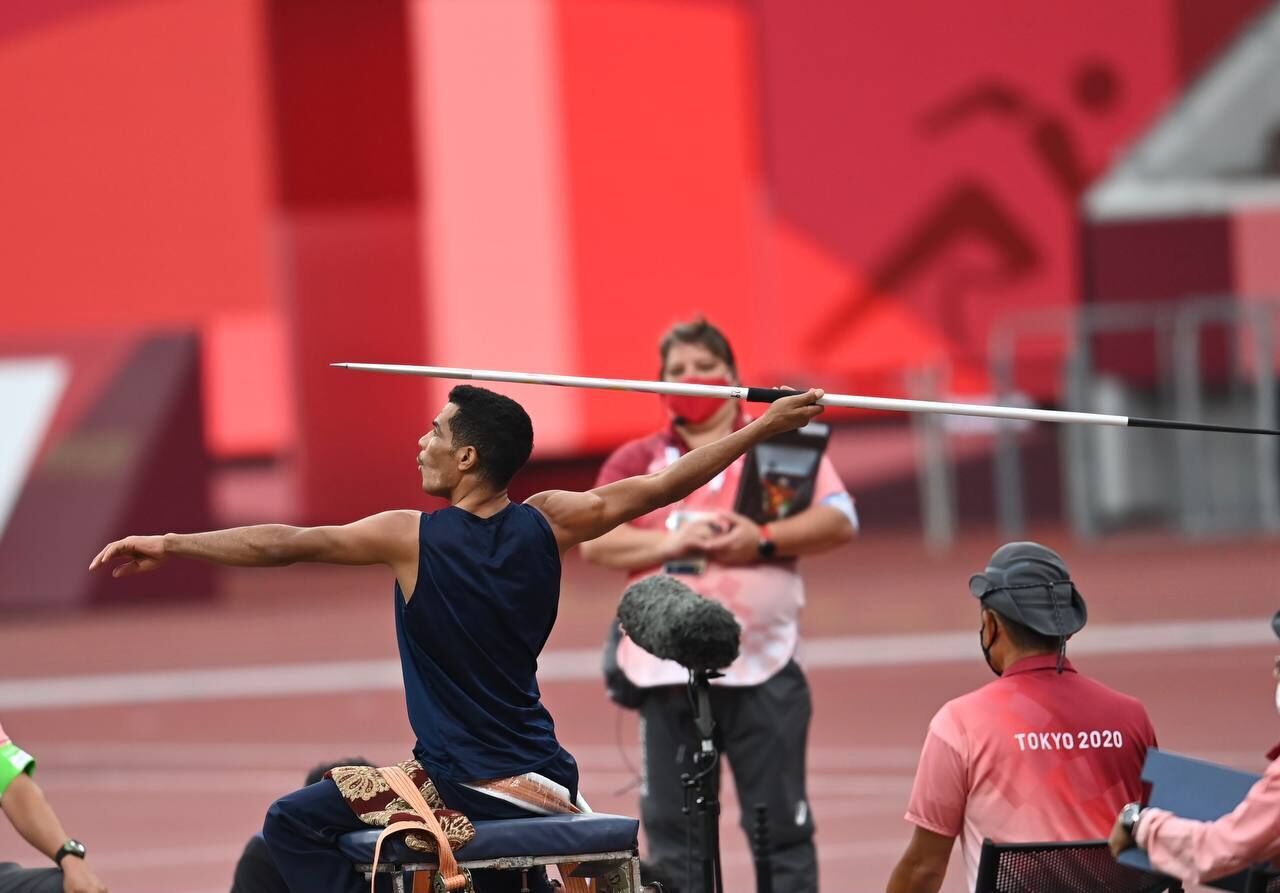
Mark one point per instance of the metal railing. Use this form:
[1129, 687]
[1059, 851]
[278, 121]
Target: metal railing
[1095, 462]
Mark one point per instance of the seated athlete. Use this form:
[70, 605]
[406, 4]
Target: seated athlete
[477, 585]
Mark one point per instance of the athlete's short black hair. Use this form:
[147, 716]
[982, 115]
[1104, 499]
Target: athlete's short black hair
[498, 428]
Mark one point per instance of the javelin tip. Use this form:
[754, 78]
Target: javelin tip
[1135, 422]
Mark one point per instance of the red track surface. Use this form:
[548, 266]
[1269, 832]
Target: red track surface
[166, 793]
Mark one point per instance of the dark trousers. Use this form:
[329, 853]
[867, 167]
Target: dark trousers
[762, 730]
[302, 830]
[16, 879]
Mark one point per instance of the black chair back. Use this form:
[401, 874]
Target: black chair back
[1083, 866]
[1262, 879]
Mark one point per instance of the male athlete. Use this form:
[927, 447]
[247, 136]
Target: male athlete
[477, 587]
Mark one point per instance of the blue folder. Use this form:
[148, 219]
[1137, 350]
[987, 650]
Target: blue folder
[1193, 789]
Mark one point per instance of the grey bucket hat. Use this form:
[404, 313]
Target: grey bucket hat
[1029, 583]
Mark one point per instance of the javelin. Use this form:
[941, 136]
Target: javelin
[768, 395]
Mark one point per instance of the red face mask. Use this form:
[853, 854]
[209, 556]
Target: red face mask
[695, 410]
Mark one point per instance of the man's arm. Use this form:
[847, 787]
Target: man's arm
[32, 817]
[819, 528]
[578, 517]
[923, 865]
[389, 538]
[1196, 852]
[936, 808]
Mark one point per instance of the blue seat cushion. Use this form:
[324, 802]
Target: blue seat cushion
[556, 835]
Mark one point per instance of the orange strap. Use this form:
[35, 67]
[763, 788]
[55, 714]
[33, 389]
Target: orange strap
[575, 884]
[399, 781]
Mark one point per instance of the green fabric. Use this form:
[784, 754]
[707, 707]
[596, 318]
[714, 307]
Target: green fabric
[13, 762]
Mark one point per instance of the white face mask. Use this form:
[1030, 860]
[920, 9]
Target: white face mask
[1278, 697]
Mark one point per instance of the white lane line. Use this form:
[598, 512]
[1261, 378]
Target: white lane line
[1121, 638]
[582, 664]
[267, 680]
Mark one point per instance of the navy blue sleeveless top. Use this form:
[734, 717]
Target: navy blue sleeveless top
[483, 606]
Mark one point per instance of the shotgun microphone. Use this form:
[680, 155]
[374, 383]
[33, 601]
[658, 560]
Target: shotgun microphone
[669, 620]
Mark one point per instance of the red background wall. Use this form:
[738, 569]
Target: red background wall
[262, 171]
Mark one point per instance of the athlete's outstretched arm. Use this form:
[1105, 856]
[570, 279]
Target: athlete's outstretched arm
[578, 517]
[389, 538]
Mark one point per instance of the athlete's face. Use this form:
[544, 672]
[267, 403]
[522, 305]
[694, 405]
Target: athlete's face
[439, 461]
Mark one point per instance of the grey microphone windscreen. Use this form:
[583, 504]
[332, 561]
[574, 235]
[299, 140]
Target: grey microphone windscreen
[669, 620]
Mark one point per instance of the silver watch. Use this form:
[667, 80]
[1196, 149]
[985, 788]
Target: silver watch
[1129, 816]
[72, 847]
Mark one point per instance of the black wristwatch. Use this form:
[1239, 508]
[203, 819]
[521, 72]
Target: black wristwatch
[70, 848]
[1129, 816]
[766, 548]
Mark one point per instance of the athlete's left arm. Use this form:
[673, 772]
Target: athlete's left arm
[578, 517]
[389, 538]
[924, 864]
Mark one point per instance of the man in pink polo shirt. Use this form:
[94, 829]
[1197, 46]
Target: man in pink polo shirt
[1041, 754]
[1197, 852]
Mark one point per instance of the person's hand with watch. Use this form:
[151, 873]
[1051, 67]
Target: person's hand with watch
[77, 877]
[31, 815]
[1124, 832]
[766, 548]
[742, 542]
